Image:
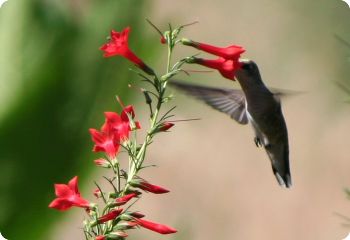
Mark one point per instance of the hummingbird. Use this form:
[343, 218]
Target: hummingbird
[254, 104]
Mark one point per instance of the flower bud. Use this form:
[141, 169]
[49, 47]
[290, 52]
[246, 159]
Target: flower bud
[126, 225]
[117, 235]
[97, 193]
[124, 199]
[110, 216]
[146, 186]
[163, 40]
[187, 42]
[156, 227]
[192, 60]
[126, 217]
[102, 163]
[165, 126]
[130, 216]
[147, 96]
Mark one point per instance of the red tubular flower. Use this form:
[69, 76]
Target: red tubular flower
[68, 196]
[156, 227]
[166, 126]
[232, 52]
[226, 67]
[110, 216]
[115, 129]
[118, 45]
[120, 124]
[105, 141]
[144, 185]
[124, 199]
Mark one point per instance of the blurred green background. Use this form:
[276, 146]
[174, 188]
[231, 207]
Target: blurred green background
[55, 84]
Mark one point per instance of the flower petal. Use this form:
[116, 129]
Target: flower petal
[73, 185]
[61, 204]
[97, 136]
[78, 201]
[128, 110]
[62, 190]
[118, 45]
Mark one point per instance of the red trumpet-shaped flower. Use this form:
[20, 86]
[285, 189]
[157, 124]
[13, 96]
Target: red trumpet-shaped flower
[110, 216]
[68, 196]
[118, 45]
[226, 67]
[120, 124]
[166, 126]
[144, 185]
[156, 227]
[124, 199]
[232, 52]
[105, 141]
[115, 130]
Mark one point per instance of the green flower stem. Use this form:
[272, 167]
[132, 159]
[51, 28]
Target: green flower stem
[118, 174]
[136, 163]
[136, 152]
[170, 51]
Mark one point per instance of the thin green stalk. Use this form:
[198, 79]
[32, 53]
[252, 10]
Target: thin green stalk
[142, 152]
[118, 176]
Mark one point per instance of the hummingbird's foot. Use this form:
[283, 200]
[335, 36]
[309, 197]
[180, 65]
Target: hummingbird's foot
[257, 142]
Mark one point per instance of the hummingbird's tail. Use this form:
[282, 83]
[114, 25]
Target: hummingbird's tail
[285, 180]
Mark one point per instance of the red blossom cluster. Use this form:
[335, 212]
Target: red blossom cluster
[131, 220]
[115, 130]
[118, 45]
[115, 218]
[226, 63]
[68, 195]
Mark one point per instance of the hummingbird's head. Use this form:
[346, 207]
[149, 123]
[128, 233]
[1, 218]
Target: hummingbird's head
[248, 72]
[249, 66]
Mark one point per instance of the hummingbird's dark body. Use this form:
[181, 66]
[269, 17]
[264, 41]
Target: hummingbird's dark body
[254, 104]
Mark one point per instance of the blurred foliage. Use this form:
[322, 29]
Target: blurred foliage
[341, 33]
[54, 86]
[344, 84]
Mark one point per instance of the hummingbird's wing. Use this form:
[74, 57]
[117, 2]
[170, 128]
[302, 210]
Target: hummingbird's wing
[229, 101]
